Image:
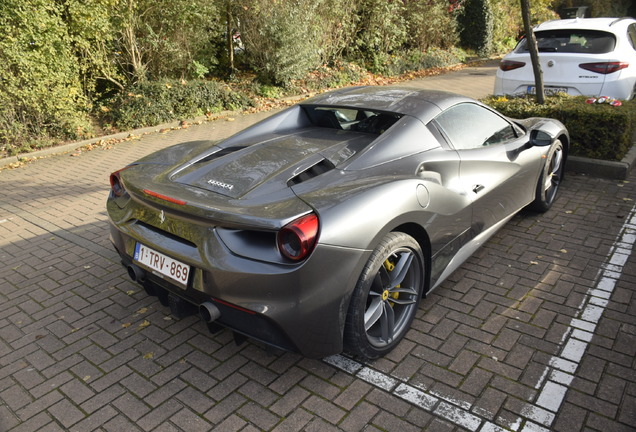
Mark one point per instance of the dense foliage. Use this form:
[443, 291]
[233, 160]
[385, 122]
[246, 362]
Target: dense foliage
[42, 94]
[64, 63]
[598, 131]
[154, 102]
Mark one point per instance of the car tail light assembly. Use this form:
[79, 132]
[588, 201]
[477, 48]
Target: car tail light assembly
[508, 65]
[297, 239]
[604, 68]
[116, 185]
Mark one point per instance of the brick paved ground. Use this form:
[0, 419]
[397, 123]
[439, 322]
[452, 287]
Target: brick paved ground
[535, 332]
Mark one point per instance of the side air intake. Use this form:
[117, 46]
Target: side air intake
[320, 168]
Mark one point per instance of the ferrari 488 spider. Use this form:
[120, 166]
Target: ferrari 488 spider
[320, 228]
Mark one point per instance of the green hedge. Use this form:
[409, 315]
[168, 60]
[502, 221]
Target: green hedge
[597, 131]
[476, 26]
[154, 102]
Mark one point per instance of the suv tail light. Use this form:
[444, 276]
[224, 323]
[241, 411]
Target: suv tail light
[604, 67]
[297, 239]
[508, 65]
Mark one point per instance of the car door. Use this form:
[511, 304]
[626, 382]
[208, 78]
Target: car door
[497, 170]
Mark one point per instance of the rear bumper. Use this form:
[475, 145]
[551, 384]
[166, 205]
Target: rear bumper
[507, 84]
[299, 308]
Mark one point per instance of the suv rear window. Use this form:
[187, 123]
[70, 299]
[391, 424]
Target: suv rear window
[572, 41]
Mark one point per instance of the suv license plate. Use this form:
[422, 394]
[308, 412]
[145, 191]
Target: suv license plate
[162, 265]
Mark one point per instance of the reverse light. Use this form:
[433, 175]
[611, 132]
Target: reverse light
[508, 65]
[604, 68]
[297, 239]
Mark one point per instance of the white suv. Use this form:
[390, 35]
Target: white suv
[581, 56]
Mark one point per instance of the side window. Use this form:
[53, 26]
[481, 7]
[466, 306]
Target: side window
[631, 33]
[470, 126]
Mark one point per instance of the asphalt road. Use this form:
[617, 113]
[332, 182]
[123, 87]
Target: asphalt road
[535, 332]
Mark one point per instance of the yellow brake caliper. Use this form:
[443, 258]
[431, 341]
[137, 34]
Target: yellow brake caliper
[389, 266]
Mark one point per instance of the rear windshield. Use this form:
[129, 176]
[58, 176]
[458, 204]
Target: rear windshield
[360, 120]
[572, 41]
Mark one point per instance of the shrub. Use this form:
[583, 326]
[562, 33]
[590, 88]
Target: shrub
[281, 38]
[413, 60]
[157, 39]
[476, 26]
[597, 131]
[336, 75]
[41, 95]
[430, 25]
[154, 102]
[382, 27]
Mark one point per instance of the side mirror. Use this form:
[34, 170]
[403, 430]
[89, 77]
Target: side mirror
[540, 138]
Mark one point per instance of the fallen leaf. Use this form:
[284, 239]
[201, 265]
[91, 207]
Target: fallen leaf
[534, 263]
[564, 251]
[144, 324]
[143, 310]
[149, 355]
[86, 378]
[126, 325]
[131, 292]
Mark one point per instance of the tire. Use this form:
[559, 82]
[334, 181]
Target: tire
[550, 178]
[386, 297]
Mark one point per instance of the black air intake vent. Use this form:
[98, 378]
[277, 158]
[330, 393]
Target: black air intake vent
[320, 168]
[223, 152]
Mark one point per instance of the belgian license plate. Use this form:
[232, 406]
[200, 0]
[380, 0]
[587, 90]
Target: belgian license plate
[548, 90]
[161, 264]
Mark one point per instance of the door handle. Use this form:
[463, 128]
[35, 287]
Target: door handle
[478, 188]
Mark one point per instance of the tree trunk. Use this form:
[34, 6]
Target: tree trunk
[534, 52]
[230, 37]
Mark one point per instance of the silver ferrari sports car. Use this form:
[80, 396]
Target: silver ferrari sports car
[320, 228]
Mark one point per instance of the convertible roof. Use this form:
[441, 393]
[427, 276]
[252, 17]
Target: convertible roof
[422, 104]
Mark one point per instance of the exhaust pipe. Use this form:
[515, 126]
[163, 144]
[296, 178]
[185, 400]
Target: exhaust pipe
[209, 312]
[136, 273]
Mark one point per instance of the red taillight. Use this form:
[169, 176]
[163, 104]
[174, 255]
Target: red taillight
[164, 197]
[508, 65]
[297, 239]
[115, 183]
[604, 67]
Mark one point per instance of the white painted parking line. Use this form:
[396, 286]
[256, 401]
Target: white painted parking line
[582, 329]
[537, 416]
